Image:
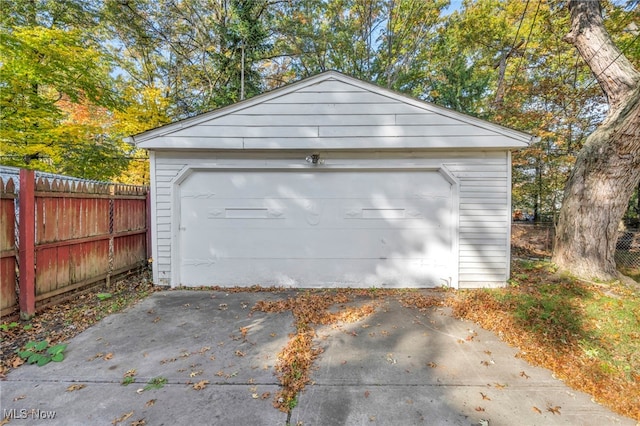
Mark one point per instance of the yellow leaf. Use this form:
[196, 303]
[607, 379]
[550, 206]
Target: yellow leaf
[75, 387]
[201, 385]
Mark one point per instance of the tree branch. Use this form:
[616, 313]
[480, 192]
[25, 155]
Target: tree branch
[613, 71]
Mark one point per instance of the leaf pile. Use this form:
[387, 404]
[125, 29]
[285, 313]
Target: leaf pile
[296, 358]
[588, 335]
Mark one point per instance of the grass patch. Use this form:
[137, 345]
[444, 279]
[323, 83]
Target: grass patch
[588, 335]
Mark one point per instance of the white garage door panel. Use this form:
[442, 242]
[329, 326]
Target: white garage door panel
[309, 273]
[311, 244]
[346, 228]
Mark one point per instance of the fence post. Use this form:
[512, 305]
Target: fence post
[148, 224]
[27, 237]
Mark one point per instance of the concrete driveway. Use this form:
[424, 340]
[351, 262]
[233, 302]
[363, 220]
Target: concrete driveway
[397, 366]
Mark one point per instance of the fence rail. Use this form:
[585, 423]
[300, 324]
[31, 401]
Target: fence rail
[70, 234]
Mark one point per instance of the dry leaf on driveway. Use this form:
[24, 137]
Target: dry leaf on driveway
[554, 410]
[201, 385]
[72, 388]
[122, 418]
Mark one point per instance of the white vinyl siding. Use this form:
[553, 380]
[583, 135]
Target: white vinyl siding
[484, 221]
[166, 171]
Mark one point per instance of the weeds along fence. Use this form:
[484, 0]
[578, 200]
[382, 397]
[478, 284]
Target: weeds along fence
[536, 240]
[59, 235]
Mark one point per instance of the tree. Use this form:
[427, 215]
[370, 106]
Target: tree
[54, 97]
[607, 169]
[204, 54]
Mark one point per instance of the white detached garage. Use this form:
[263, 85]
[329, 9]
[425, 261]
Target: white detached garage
[331, 182]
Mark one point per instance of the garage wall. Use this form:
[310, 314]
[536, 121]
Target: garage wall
[484, 200]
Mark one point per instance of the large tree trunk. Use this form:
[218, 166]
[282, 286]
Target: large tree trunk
[607, 169]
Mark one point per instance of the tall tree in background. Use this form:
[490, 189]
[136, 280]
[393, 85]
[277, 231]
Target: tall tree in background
[607, 168]
[56, 91]
[383, 41]
[198, 52]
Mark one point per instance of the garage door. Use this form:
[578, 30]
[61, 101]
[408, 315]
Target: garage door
[316, 228]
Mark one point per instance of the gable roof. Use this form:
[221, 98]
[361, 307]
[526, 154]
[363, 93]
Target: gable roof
[332, 111]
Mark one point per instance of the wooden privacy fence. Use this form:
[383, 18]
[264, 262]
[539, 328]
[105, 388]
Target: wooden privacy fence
[71, 234]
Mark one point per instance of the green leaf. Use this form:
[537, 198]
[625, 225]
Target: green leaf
[25, 354]
[57, 349]
[57, 357]
[34, 358]
[43, 360]
[40, 346]
[104, 296]
[30, 345]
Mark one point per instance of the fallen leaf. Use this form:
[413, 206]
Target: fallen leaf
[5, 421]
[195, 373]
[432, 364]
[536, 409]
[130, 373]
[72, 388]
[523, 374]
[485, 397]
[96, 356]
[19, 397]
[479, 409]
[499, 385]
[156, 319]
[366, 394]
[239, 353]
[108, 356]
[140, 422]
[266, 395]
[150, 403]
[201, 385]
[17, 362]
[554, 410]
[122, 418]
